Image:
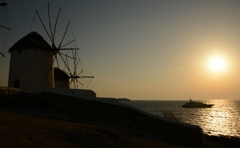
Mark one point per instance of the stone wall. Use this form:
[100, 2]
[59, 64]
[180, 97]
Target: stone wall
[8, 91]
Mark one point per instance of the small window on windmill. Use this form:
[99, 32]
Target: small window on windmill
[16, 83]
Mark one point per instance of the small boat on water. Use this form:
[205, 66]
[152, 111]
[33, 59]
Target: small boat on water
[194, 104]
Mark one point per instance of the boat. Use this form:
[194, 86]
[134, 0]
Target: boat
[194, 104]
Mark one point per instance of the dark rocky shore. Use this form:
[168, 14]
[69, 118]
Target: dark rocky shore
[50, 120]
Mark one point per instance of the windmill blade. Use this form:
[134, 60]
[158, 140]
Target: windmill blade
[68, 43]
[44, 26]
[2, 54]
[69, 49]
[82, 77]
[4, 24]
[3, 4]
[55, 26]
[5, 27]
[80, 72]
[66, 55]
[74, 62]
[70, 83]
[76, 65]
[89, 83]
[74, 84]
[65, 63]
[64, 34]
[49, 22]
[74, 80]
[80, 82]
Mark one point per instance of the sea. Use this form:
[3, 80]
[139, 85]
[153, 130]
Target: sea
[223, 119]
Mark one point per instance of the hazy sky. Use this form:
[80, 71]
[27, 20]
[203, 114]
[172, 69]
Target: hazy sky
[147, 49]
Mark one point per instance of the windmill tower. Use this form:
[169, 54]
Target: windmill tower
[31, 64]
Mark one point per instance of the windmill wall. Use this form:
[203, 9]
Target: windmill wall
[31, 66]
[61, 79]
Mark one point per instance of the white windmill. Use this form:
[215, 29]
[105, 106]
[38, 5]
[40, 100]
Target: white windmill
[31, 64]
[33, 59]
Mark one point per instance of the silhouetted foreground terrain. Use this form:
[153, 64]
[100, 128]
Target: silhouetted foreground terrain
[50, 120]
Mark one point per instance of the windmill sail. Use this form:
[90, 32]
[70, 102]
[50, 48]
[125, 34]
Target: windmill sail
[4, 28]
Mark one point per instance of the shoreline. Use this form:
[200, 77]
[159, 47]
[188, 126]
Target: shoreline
[221, 125]
[121, 122]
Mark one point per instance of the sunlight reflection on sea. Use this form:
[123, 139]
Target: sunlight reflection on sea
[222, 119]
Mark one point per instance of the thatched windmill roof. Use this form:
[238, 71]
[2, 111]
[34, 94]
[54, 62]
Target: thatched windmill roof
[31, 41]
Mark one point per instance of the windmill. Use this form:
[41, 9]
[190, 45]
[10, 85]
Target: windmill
[4, 27]
[33, 58]
[58, 30]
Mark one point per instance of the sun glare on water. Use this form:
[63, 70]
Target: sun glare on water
[217, 63]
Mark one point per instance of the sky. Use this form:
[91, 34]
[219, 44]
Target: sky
[147, 49]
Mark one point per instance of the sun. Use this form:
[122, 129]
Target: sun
[217, 63]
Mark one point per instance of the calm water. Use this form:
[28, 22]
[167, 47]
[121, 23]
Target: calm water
[222, 119]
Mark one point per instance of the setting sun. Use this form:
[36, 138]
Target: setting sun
[217, 63]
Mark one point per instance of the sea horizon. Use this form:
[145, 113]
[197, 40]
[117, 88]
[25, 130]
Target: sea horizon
[220, 120]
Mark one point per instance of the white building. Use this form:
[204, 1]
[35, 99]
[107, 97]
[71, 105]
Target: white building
[31, 64]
